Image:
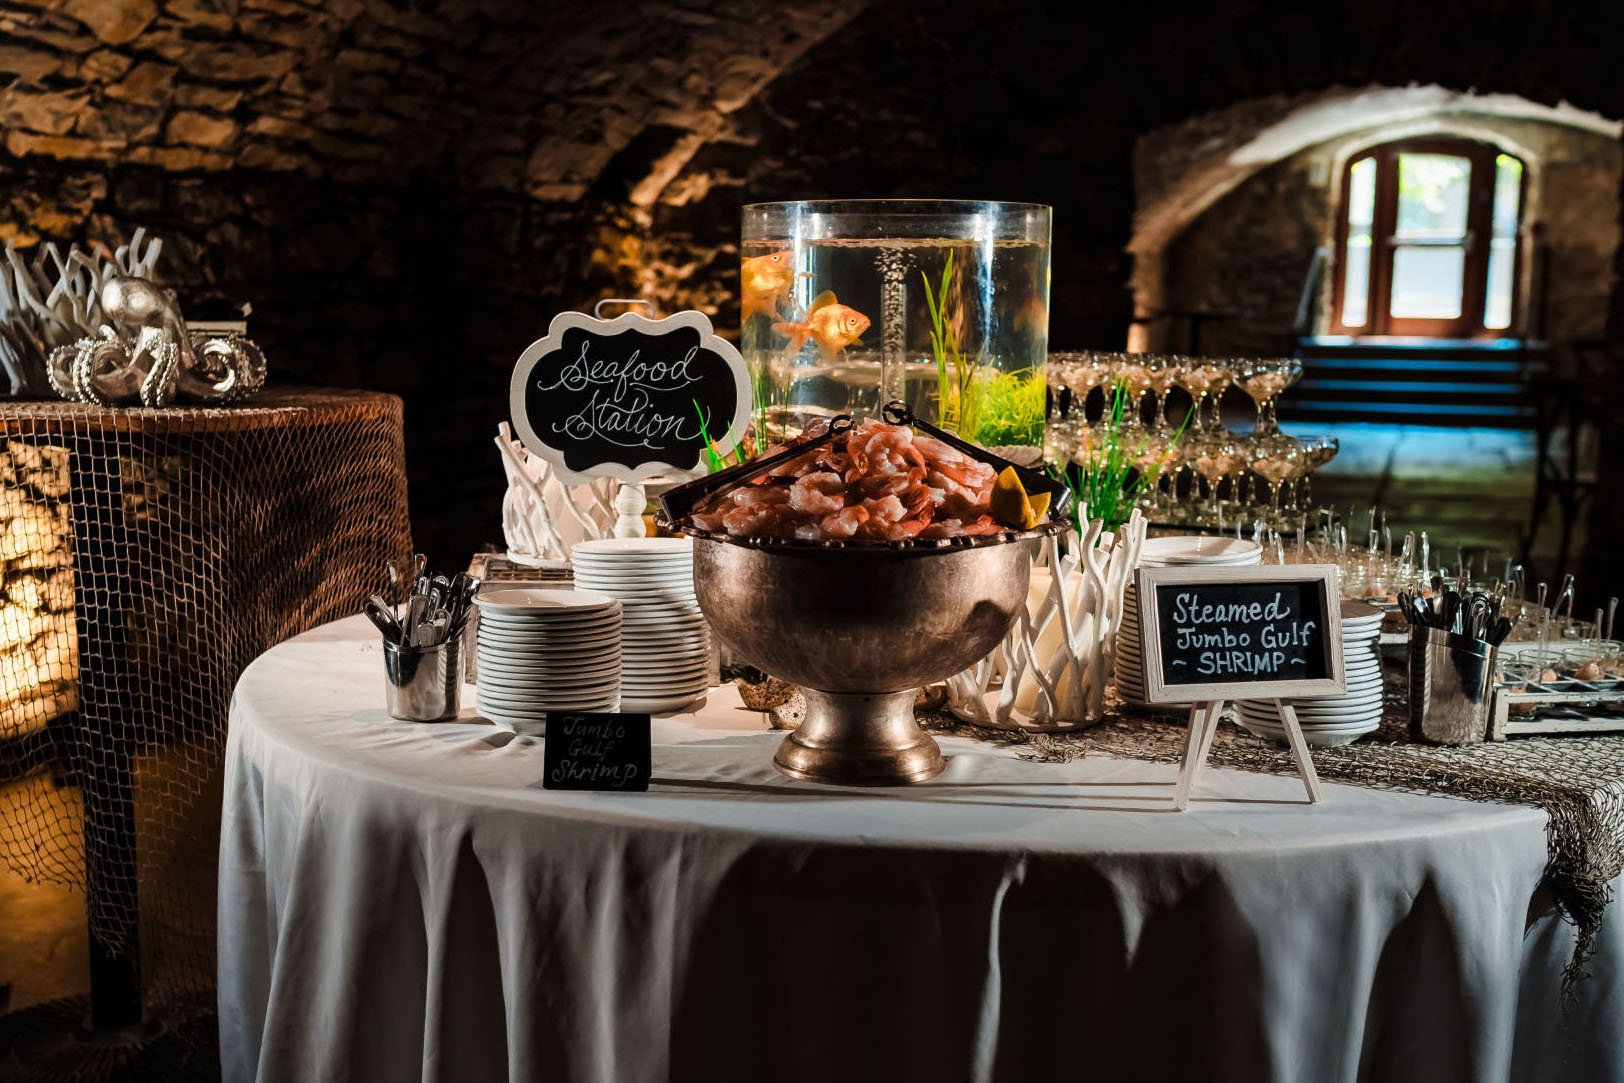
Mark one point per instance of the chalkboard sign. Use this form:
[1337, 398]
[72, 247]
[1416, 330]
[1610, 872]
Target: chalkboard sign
[1241, 633]
[587, 751]
[630, 398]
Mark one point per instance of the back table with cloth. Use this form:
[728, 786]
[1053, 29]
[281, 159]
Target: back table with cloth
[405, 901]
[148, 556]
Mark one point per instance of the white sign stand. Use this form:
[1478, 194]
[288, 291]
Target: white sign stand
[1198, 743]
[1210, 695]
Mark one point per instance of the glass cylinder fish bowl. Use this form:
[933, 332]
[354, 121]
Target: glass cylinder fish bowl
[848, 304]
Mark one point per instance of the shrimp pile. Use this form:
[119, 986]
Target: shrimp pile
[876, 482]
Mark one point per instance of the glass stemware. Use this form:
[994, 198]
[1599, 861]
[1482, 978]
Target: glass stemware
[1133, 374]
[1211, 455]
[1275, 459]
[1264, 379]
[1198, 377]
[1163, 372]
[1317, 451]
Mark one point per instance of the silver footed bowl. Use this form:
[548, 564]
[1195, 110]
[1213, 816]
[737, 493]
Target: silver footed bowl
[861, 630]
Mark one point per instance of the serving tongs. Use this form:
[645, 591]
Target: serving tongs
[679, 503]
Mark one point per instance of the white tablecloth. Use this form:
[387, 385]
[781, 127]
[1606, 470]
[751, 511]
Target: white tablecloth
[402, 901]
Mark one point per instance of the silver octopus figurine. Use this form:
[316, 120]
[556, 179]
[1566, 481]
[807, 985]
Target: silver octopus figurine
[146, 354]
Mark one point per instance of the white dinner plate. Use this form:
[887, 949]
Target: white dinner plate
[665, 687]
[542, 600]
[525, 625]
[1332, 721]
[511, 691]
[1314, 739]
[658, 640]
[677, 666]
[633, 546]
[658, 705]
[529, 675]
[590, 645]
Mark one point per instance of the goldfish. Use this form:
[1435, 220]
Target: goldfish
[765, 281]
[832, 325]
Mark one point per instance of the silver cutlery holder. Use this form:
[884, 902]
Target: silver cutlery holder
[1451, 687]
[423, 684]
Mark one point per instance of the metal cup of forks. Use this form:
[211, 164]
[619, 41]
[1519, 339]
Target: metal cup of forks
[423, 684]
[1451, 679]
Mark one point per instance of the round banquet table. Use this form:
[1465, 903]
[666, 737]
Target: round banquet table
[404, 901]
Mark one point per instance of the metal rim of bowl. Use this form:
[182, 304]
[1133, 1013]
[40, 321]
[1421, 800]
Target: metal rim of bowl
[869, 545]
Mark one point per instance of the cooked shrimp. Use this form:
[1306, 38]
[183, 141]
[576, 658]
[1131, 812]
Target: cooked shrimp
[822, 493]
[843, 523]
[887, 509]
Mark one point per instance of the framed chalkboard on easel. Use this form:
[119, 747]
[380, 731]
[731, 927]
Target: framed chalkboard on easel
[1215, 635]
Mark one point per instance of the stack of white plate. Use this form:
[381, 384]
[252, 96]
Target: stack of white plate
[1335, 720]
[1183, 550]
[543, 649]
[665, 642]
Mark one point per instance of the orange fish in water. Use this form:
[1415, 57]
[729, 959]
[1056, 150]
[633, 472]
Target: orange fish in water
[832, 325]
[765, 281]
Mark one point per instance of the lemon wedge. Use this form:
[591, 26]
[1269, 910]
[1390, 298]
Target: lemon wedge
[1011, 505]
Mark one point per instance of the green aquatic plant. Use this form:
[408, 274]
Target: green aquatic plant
[1009, 408]
[1104, 482]
[752, 443]
[956, 382]
[716, 460]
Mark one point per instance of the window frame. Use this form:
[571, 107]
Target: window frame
[1379, 321]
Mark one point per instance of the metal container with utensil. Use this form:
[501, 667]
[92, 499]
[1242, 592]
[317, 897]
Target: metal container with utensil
[423, 684]
[1451, 681]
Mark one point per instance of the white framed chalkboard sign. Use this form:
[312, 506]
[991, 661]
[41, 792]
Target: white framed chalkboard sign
[629, 398]
[1265, 632]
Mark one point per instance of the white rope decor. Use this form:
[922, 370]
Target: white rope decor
[1050, 672]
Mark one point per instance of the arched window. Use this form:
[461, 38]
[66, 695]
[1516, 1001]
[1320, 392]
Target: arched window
[1428, 241]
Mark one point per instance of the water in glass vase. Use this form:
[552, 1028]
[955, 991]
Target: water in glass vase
[958, 328]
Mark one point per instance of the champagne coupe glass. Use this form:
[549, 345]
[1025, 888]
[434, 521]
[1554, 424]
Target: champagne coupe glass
[1275, 459]
[1131, 371]
[1210, 455]
[1195, 376]
[1317, 450]
[1264, 379]
[1163, 372]
[1218, 375]
[1149, 457]
[1063, 430]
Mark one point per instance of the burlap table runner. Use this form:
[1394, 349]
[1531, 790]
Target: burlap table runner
[1578, 781]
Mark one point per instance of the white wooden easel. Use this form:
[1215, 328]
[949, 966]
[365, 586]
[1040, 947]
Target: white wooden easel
[1198, 743]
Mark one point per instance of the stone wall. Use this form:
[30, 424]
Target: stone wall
[408, 189]
[38, 640]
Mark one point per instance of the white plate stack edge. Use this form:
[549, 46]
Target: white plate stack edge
[665, 642]
[543, 649]
[1334, 720]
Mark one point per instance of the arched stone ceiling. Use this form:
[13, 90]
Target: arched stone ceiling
[1185, 168]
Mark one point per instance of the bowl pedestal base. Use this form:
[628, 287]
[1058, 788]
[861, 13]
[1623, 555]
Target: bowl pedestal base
[860, 739]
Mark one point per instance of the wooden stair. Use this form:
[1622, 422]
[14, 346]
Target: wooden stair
[1415, 382]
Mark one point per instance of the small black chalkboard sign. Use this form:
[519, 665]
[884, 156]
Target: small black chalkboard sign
[630, 398]
[1240, 633]
[586, 751]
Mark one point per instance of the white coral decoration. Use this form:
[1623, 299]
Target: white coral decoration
[55, 300]
[1051, 670]
[542, 519]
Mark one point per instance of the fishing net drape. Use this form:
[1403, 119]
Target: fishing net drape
[148, 556]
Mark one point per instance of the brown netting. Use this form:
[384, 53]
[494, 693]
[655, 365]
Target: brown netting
[149, 556]
[1578, 781]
